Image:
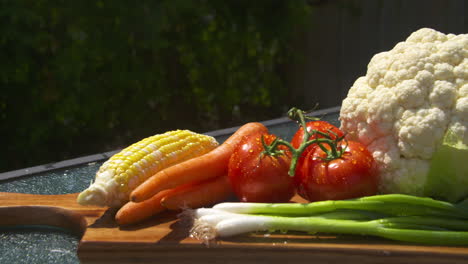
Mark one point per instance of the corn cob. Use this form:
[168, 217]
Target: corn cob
[124, 171]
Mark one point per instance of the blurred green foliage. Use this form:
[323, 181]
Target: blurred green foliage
[84, 77]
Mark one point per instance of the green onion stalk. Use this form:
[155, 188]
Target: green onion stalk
[398, 217]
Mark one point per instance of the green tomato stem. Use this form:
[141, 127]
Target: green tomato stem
[298, 116]
[296, 153]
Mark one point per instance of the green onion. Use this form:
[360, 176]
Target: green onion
[391, 204]
[397, 217]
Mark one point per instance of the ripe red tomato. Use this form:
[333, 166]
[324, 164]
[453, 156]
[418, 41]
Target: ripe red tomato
[257, 177]
[319, 125]
[352, 175]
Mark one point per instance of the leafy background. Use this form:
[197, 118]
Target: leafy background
[84, 77]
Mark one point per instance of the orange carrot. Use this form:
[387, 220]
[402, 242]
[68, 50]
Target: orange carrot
[204, 193]
[132, 212]
[209, 165]
[192, 195]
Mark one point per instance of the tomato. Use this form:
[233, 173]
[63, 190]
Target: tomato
[257, 177]
[352, 175]
[319, 125]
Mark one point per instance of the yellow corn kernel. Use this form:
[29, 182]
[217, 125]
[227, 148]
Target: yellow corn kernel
[124, 171]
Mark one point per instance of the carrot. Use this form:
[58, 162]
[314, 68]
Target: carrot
[204, 193]
[192, 195]
[209, 165]
[132, 212]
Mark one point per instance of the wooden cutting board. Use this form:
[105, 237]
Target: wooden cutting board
[164, 239]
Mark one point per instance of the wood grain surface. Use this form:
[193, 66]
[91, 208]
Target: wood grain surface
[164, 239]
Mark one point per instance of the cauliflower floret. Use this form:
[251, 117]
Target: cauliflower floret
[410, 98]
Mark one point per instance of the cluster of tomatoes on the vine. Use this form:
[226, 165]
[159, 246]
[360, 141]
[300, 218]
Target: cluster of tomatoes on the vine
[318, 164]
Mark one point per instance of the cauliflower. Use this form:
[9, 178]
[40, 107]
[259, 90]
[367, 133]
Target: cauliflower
[411, 111]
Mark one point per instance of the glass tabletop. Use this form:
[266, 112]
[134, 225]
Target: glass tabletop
[42, 244]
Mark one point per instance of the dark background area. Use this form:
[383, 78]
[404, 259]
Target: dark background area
[85, 77]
